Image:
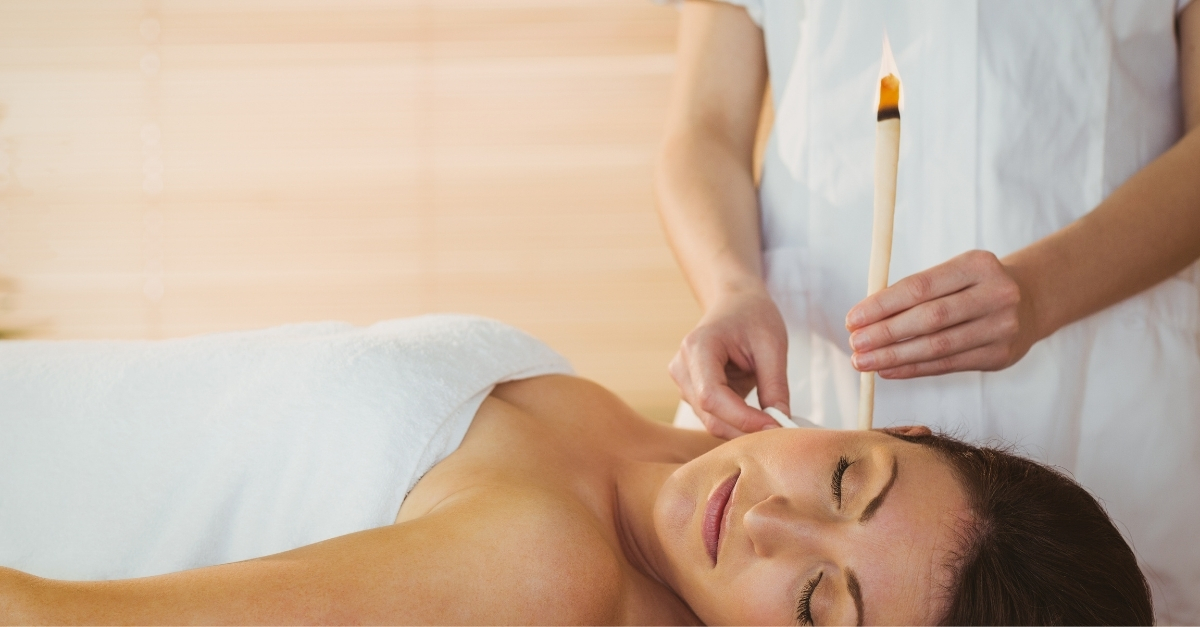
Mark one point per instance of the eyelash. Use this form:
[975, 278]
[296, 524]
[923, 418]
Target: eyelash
[836, 482]
[804, 607]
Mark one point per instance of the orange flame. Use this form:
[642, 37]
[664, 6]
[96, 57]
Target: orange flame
[890, 94]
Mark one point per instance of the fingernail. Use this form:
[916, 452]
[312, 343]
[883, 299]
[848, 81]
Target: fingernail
[858, 341]
[770, 426]
[787, 411]
[854, 318]
[863, 361]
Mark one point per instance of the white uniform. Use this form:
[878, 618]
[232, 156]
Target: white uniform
[1019, 118]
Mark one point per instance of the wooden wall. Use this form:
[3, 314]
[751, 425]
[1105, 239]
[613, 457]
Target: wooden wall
[184, 166]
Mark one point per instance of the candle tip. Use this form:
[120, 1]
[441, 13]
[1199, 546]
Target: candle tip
[891, 96]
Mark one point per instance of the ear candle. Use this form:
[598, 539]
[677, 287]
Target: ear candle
[887, 158]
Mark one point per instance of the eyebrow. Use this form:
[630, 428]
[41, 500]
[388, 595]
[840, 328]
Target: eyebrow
[876, 502]
[856, 593]
[851, 579]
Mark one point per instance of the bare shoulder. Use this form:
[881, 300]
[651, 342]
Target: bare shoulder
[536, 558]
[585, 411]
[556, 390]
[581, 408]
[502, 555]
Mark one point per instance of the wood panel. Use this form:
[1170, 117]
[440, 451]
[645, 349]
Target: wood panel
[188, 166]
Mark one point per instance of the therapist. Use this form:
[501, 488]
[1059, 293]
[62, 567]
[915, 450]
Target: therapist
[1047, 225]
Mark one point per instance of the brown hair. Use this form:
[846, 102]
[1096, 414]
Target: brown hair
[1040, 550]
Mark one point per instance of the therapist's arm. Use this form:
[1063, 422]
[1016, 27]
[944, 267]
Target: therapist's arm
[977, 312]
[709, 207]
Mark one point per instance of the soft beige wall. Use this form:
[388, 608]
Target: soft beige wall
[178, 167]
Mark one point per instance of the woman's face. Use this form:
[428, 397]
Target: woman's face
[795, 525]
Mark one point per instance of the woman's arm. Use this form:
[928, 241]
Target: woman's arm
[976, 312]
[484, 557]
[709, 206]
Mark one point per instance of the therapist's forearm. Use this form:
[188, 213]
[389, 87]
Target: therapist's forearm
[709, 207]
[704, 177]
[1145, 231]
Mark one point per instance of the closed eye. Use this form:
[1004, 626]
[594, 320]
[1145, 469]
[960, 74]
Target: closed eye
[804, 606]
[836, 481]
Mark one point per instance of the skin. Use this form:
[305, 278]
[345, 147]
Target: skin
[709, 208]
[785, 529]
[973, 312]
[563, 506]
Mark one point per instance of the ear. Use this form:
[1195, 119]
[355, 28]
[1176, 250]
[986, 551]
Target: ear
[910, 430]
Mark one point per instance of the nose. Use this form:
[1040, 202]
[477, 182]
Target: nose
[776, 524]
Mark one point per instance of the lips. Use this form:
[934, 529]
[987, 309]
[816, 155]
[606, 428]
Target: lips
[714, 515]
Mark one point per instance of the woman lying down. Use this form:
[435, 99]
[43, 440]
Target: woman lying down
[450, 470]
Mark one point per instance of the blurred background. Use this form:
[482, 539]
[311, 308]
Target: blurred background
[177, 167]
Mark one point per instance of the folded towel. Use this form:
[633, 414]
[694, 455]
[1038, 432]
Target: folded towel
[132, 458]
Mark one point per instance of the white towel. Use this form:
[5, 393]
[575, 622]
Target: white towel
[132, 458]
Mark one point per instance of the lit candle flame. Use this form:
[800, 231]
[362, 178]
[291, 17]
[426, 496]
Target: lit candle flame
[890, 94]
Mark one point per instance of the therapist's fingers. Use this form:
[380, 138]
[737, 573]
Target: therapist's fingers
[946, 278]
[963, 338]
[960, 362]
[740, 343]
[717, 427]
[770, 372]
[987, 325]
[925, 319]
[714, 396]
[681, 373]
[712, 424]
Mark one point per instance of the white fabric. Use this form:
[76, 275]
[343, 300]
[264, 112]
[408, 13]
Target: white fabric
[129, 458]
[1019, 118]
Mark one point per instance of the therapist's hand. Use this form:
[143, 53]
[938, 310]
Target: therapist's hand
[740, 343]
[969, 313]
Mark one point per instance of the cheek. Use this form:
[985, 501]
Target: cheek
[677, 506]
[786, 462]
[762, 595]
[673, 512]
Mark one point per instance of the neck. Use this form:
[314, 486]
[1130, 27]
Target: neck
[637, 485]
